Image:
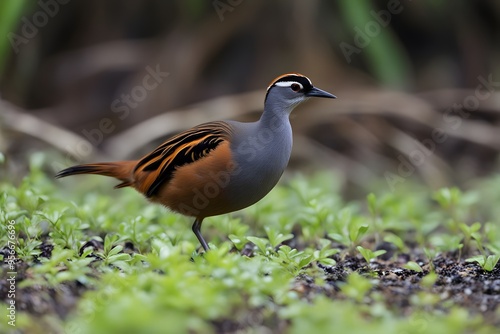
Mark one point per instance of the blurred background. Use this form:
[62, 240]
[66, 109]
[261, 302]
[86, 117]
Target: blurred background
[418, 82]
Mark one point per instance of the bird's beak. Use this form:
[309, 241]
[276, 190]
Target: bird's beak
[316, 92]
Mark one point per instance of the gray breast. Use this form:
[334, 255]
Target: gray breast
[261, 154]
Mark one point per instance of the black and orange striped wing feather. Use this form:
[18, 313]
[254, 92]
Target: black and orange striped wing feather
[157, 167]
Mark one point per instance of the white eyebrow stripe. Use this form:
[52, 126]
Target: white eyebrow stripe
[288, 83]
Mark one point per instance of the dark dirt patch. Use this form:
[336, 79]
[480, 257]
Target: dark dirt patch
[458, 283]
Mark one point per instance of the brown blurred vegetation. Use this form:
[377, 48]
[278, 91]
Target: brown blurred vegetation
[397, 92]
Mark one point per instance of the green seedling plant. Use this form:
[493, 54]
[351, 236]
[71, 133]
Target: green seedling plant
[145, 272]
[262, 244]
[28, 249]
[62, 266]
[431, 254]
[274, 239]
[349, 230]
[318, 216]
[446, 242]
[450, 200]
[492, 237]
[459, 207]
[368, 254]
[138, 231]
[469, 231]
[112, 254]
[396, 241]
[317, 204]
[235, 229]
[28, 237]
[391, 212]
[324, 254]
[487, 262]
[28, 199]
[239, 242]
[393, 216]
[66, 231]
[289, 258]
[293, 260]
[412, 265]
[32, 226]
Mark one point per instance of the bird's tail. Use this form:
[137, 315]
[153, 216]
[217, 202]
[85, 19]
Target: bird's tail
[121, 170]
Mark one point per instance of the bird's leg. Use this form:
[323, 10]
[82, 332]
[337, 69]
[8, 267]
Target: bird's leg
[197, 232]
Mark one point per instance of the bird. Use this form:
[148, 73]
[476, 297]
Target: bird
[216, 167]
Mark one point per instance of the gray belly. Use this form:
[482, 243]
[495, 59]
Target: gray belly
[249, 186]
[260, 157]
[249, 183]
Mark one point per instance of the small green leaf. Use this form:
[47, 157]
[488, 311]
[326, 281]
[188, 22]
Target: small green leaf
[276, 238]
[115, 250]
[327, 261]
[304, 261]
[357, 232]
[491, 262]
[411, 265]
[87, 251]
[475, 227]
[261, 243]
[368, 254]
[395, 240]
[237, 241]
[119, 257]
[480, 259]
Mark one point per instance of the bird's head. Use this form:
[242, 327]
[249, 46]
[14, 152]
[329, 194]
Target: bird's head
[289, 90]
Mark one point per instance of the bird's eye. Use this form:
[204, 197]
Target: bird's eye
[296, 87]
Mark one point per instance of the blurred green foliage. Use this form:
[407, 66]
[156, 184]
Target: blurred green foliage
[385, 56]
[10, 16]
[162, 285]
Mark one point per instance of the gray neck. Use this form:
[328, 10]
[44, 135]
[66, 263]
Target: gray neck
[275, 113]
[275, 122]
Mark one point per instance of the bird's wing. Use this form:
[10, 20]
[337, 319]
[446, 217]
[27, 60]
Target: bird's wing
[157, 167]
